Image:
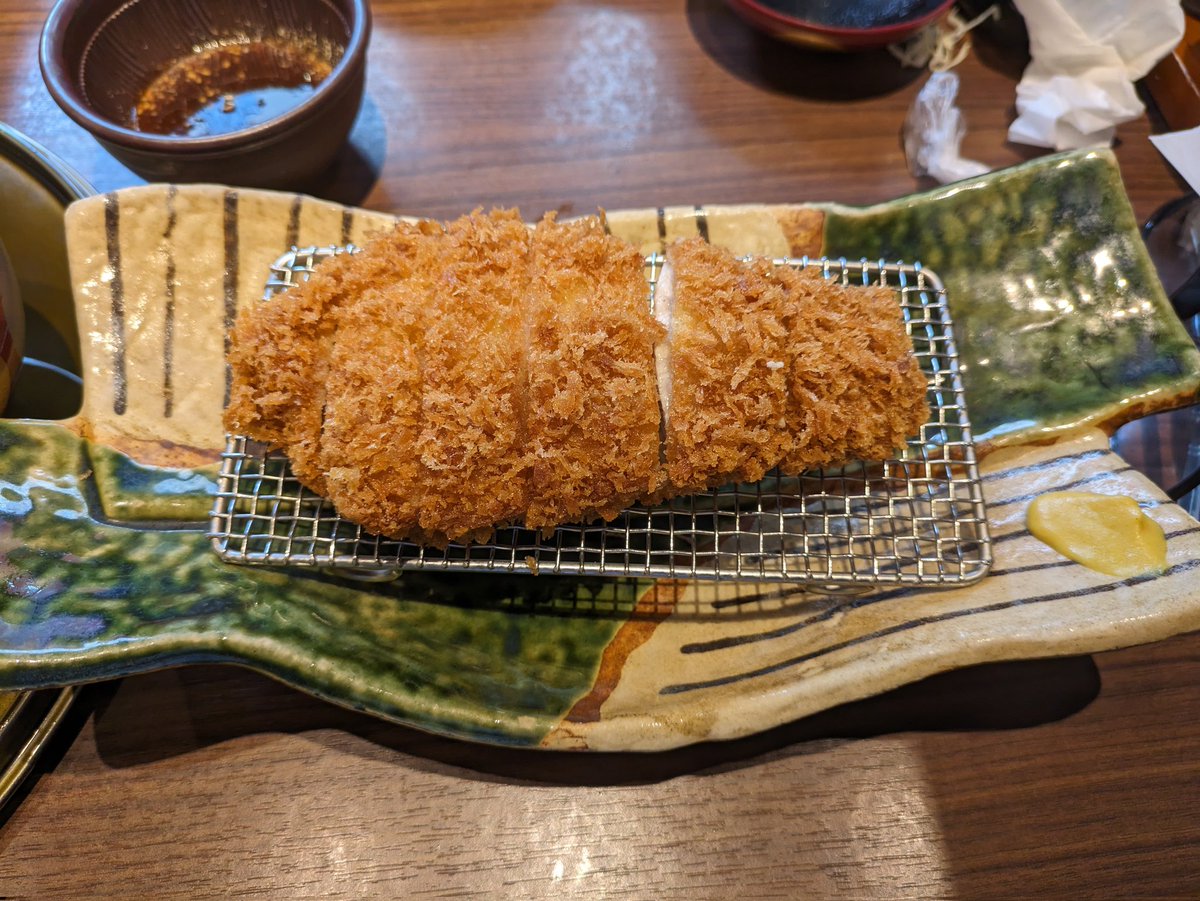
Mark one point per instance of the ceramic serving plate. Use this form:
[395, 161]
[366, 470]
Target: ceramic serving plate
[1063, 327]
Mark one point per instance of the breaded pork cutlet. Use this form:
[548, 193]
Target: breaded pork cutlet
[856, 389]
[372, 417]
[446, 381]
[280, 352]
[593, 403]
[474, 442]
[725, 391]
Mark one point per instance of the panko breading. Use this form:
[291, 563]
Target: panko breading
[279, 356]
[727, 407]
[448, 380]
[856, 389]
[373, 419]
[593, 404]
[474, 443]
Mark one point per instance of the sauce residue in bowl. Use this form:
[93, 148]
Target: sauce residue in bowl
[230, 87]
[1110, 534]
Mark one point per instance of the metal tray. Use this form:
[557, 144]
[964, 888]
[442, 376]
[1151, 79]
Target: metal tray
[917, 518]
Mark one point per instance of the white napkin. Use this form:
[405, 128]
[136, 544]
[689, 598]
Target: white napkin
[1086, 54]
[1182, 150]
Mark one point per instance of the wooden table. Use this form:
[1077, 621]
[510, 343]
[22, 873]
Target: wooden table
[1076, 777]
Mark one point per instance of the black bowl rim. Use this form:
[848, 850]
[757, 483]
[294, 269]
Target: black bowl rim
[896, 29]
[66, 93]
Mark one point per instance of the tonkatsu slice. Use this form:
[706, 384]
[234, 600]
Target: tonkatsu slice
[592, 400]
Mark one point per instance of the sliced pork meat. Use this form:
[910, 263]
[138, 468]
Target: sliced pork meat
[592, 400]
[726, 400]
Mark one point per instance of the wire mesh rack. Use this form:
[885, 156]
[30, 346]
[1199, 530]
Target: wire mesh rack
[918, 518]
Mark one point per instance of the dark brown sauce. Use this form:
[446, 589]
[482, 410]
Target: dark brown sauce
[230, 87]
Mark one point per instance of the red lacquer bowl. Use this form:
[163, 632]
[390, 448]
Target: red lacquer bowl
[852, 25]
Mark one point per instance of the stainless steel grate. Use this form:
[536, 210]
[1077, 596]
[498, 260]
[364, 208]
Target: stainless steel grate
[915, 519]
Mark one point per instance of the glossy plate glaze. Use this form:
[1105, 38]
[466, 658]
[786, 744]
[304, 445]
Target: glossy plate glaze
[36, 187]
[103, 514]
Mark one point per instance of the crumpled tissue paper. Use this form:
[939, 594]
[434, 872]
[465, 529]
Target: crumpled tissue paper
[1085, 56]
[933, 133]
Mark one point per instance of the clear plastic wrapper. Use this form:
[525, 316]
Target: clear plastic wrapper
[934, 130]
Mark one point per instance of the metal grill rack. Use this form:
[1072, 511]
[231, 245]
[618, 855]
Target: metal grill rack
[918, 518]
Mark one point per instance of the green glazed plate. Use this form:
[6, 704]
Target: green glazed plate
[1063, 326]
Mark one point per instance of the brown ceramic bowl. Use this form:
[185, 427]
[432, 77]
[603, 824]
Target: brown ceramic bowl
[843, 25]
[98, 57]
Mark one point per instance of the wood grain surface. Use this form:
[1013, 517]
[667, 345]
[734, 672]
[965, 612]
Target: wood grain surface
[1077, 777]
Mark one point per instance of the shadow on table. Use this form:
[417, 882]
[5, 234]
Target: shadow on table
[355, 170]
[201, 706]
[790, 69]
[1104, 806]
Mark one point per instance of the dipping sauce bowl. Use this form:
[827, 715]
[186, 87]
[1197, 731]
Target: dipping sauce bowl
[243, 92]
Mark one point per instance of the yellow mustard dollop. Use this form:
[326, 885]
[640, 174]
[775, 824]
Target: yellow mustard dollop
[1105, 533]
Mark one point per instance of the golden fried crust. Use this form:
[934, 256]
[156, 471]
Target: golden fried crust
[473, 441]
[729, 396]
[373, 421]
[804, 228]
[278, 360]
[593, 403]
[857, 391]
[445, 381]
